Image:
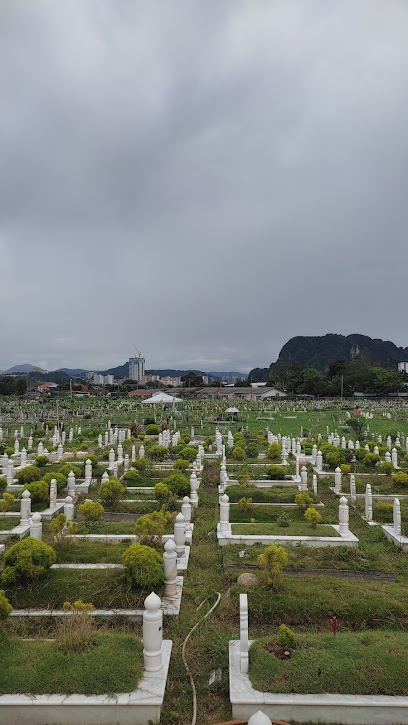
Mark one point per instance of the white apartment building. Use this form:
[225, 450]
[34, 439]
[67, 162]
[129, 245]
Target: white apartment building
[137, 369]
[403, 367]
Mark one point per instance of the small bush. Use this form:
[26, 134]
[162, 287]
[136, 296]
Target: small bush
[274, 451]
[5, 502]
[188, 453]
[66, 469]
[91, 510]
[244, 505]
[238, 453]
[178, 483]
[387, 467]
[41, 461]
[334, 459]
[152, 430]
[272, 561]
[28, 559]
[276, 473]
[39, 491]
[76, 631]
[252, 450]
[150, 527]
[132, 475]
[28, 474]
[5, 606]
[157, 453]
[286, 638]
[383, 511]
[62, 529]
[238, 437]
[283, 520]
[371, 459]
[400, 478]
[3, 483]
[186, 438]
[144, 566]
[163, 494]
[60, 479]
[181, 464]
[140, 464]
[313, 517]
[345, 468]
[111, 492]
[303, 500]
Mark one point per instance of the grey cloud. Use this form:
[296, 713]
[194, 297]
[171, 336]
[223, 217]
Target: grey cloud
[203, 179]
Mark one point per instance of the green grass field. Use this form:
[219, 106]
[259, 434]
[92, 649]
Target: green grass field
[353, 663]
[113, 664]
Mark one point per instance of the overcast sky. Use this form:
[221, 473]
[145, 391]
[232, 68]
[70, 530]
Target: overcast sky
[203, 179]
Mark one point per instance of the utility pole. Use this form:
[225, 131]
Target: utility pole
[341, 388]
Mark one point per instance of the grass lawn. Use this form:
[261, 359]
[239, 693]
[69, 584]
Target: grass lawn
[112, 527]
[89, 552]
[9, 522]
[113, 664]
[105, 589]
[354, 663]
[265, 514]
[276, 494]
[311, 601]
[295, 529]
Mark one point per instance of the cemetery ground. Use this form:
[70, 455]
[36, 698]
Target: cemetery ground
[365, 587]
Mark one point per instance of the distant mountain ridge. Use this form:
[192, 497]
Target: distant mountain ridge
[321, 350]
[120, 371]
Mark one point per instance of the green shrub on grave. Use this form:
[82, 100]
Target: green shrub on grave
[141, 464]
[144, 566]
[66, 469]
[371, 459]
[5, 606]
[150, 527]
[286, 638]
[152, 430]
[28, 474]
[41, 461]
[181, 464]
[188, 453]
[28, 559]
[157, 453]
[252, 450]
[274, 451]
[39, 491]
[303, 500]
[387, 467]
[400, 478]
[111, 492]
[313, 517]
[276, 473]
[178, 484]
[238, 453]
[131, 476]
[59, 478]
[91, 510]
[3, 483]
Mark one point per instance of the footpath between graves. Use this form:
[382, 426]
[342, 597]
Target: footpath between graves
[207, 650]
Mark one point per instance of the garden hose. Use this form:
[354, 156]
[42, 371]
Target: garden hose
[183, 650]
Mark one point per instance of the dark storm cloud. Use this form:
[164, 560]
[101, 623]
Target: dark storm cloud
[203, 179]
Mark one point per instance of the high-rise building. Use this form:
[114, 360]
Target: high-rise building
[403, 367]
[137, 369]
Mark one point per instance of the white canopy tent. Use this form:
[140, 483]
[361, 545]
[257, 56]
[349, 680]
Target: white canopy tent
[162, 398]
[232, 410]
